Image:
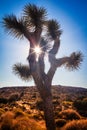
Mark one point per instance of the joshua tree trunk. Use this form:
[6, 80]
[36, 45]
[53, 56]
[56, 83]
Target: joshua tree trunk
[48, 113]
[43, 84]
[48, 107]
[46, 96]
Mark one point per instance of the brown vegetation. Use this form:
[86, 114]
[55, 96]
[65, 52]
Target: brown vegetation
[69, 114]
[25, 109]
[76, 125]
[16, 121]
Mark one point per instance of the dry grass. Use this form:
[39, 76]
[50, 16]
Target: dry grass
[25, 123]
[76, 125]
[69, 114]
[18, 112]
[1, 111]
[7, 121]
[19, 121]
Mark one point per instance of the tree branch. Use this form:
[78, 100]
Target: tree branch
[38, 34]
[41, 66]
[52, 60]
[51, 73]
[62, 61]
[71, 63]
[54, 50]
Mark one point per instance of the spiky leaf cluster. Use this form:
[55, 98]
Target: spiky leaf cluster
[74, 61]
[23, 71]
[35, 15]
[14, 26]
[53, 29]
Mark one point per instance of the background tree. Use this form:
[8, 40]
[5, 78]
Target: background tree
[44, 38]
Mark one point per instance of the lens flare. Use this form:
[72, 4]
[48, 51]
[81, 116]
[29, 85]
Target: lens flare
[38, 51]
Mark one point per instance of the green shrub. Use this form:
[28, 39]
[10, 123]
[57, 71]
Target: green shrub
[69, 114]
[13, 97]
[76, 125]
[60, 122]
[3, 100]
[81, 106]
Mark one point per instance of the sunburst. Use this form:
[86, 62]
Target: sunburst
[38, 51]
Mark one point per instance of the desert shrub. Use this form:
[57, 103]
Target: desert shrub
[22, 94]
[56, 113]
[39, 104]
[85, 99]
[69, 114]
[6, 108]
[25, 123]
[38, 116]
[3, 100]
[13, 97]
[7, 121]
[34, 95]
[56, 102]
[81, 106]
[7, 125]
[7, 115]
[1, 111]
[76, 125]
[67, 104]
[18, 112]
[21, 124]
[60, 122]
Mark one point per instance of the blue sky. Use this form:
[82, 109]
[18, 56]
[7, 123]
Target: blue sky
[71, 14]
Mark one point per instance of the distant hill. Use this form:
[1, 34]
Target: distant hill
[27, 92]
[28, 99]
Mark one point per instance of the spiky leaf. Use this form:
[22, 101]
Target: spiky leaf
[53, 29]
[74, 61]
[14, 26]
[35, 15]
[23, 71]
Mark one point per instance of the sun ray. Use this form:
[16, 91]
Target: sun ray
[38, 51]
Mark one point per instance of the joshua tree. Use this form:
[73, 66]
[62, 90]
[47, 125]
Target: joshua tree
[44, 38]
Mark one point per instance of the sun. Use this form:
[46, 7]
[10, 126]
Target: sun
[38, 51]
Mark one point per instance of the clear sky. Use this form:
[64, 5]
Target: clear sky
[72, 15]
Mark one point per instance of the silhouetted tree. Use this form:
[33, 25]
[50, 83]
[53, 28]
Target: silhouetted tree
[44, 34]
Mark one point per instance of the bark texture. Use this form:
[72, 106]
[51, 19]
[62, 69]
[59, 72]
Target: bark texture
[49, 113]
